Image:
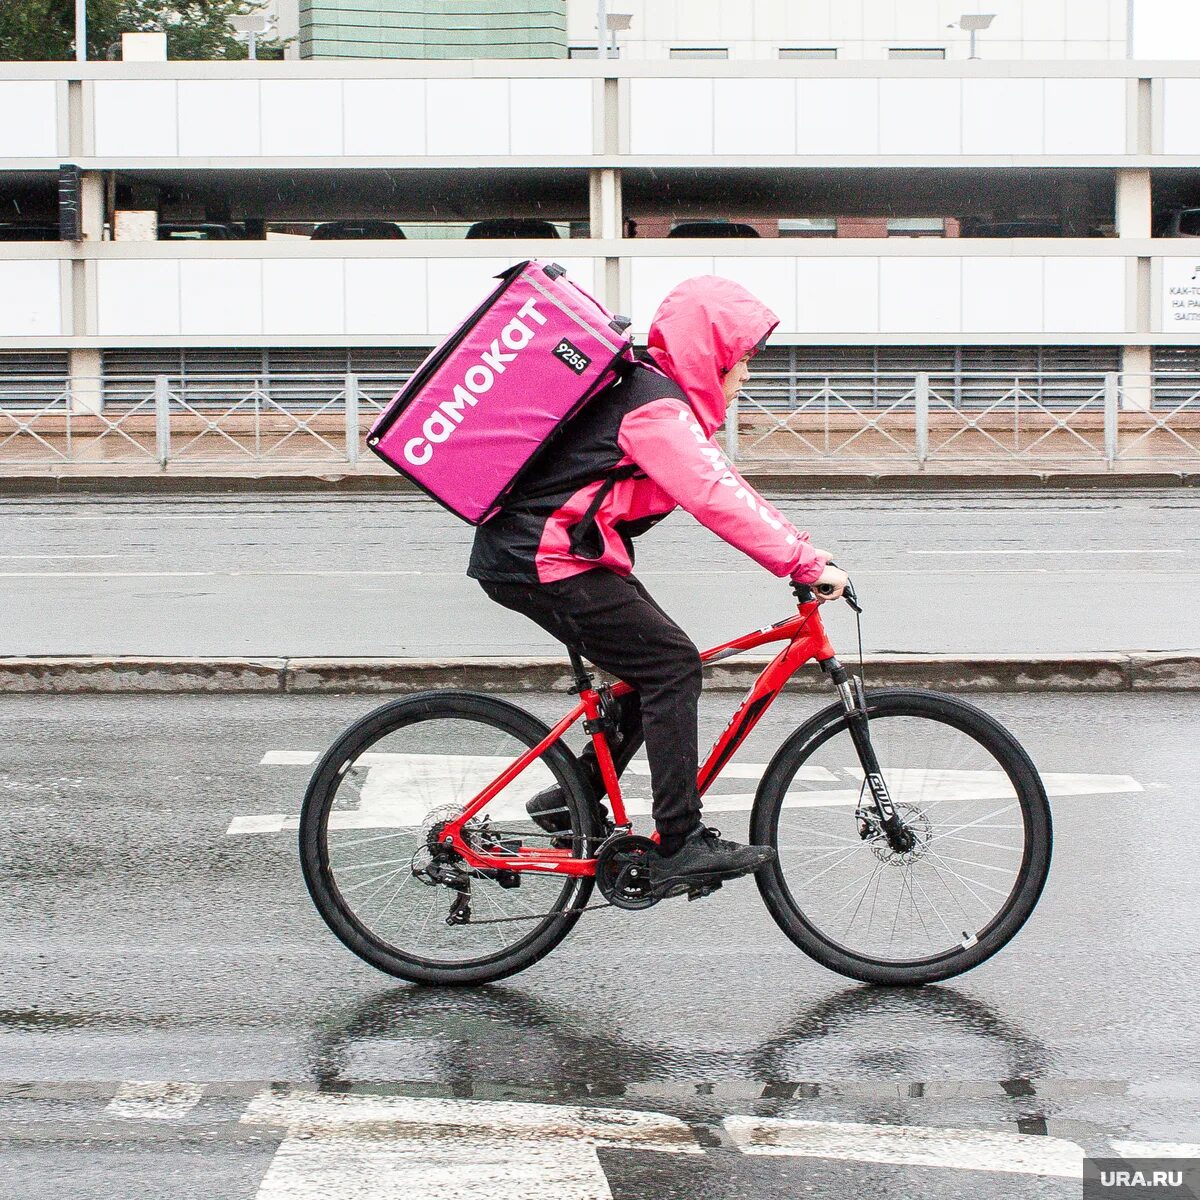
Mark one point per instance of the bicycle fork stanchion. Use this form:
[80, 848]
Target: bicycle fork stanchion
[854, 701]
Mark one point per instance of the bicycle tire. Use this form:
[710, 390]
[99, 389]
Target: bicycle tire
[1031, 875]
[323, 887]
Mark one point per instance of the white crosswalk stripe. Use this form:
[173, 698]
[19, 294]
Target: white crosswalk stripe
[346, 1147]
[154, 1101]
[908, 1145]
[1143, 1149]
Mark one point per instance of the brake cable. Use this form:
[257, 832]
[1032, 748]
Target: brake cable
[852, 599]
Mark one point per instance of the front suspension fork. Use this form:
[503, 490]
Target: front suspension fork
[854, 701]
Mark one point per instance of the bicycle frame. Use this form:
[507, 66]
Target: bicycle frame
[806, 640]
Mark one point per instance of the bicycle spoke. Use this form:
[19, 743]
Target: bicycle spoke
[923, 901]
[352, 844]
[421, 773]
[862, 895]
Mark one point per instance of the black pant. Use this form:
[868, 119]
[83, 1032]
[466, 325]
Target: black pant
[615, 623]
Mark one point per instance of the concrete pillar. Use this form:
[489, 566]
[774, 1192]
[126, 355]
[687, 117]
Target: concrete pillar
[1134, 214]
[1133, 204]
[84, 364]
[605, 203]
[606, 217]
[1136, 381]
[86, 393]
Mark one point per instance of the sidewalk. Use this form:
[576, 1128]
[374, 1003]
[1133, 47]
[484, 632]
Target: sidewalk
[80, 675]
[373, 477]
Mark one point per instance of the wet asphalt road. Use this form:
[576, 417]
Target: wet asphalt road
[142, 943]
[319, 575]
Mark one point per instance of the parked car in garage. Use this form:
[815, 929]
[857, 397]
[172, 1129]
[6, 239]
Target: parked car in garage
[1011, 227]
[369, 230]
[197, 231]
[708, 229]
[512, 227]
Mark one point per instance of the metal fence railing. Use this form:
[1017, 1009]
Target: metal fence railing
[927, 418]
[1072, 419]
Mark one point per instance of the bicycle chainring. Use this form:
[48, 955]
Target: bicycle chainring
[623, 871]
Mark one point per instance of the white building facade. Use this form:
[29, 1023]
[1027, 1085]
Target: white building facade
[856, 30]
[608, 150]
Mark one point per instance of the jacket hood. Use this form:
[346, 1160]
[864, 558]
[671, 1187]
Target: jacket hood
[702, 328]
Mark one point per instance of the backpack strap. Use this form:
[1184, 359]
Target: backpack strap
[585, 541]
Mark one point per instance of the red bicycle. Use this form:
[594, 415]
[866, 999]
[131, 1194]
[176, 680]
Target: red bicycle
[913, 831]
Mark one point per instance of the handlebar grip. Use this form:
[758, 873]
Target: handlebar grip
[805, 594]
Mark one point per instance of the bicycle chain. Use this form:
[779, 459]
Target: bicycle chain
[537, 916]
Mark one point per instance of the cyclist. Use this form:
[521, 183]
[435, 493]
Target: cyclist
[561, 552]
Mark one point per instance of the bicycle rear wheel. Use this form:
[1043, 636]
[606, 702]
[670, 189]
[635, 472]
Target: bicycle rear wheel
[970, 795]
[370, 819]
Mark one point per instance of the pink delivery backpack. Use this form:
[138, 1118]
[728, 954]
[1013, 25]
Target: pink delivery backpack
[489, 399]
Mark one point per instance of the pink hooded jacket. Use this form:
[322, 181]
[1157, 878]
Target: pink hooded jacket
[702, 328]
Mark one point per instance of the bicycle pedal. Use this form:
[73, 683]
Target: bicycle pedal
[705, 889]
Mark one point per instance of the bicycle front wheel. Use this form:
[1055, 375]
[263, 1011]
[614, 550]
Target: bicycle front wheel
[979, 815]
[369, 840]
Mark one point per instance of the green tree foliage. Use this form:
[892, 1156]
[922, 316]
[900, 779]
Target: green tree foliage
[37, 29]
[40, 30]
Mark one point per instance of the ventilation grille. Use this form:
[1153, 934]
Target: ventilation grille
[32, 378]
[1180, 388]
[880, 376]
[294, 378]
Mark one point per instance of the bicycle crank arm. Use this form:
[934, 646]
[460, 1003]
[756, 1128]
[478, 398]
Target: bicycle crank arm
[854, 701]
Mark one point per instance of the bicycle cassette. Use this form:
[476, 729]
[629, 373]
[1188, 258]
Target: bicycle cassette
[623, 871]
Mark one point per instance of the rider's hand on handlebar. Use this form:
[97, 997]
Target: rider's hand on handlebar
[830, 584]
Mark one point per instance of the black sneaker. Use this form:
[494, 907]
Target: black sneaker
[704, 856]
[548, 811]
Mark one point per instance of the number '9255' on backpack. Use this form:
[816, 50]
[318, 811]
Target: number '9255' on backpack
[488, 400]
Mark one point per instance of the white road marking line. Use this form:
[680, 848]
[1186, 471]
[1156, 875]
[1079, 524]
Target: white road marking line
[10, 557]
[105, 574]
[908, 1145]
[154, 1101]
[398, 790]
[142, 516]
[1107, 551]
[267, 823]
[346, 1147]
[192, 574]
[1135, 1149]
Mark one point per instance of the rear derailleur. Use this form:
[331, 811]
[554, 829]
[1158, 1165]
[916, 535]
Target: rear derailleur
[445, 868]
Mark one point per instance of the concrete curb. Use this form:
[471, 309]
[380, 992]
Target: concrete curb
[128, 675]
[767, 477]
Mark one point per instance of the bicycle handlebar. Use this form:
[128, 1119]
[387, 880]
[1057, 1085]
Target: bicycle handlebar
[805, 594]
